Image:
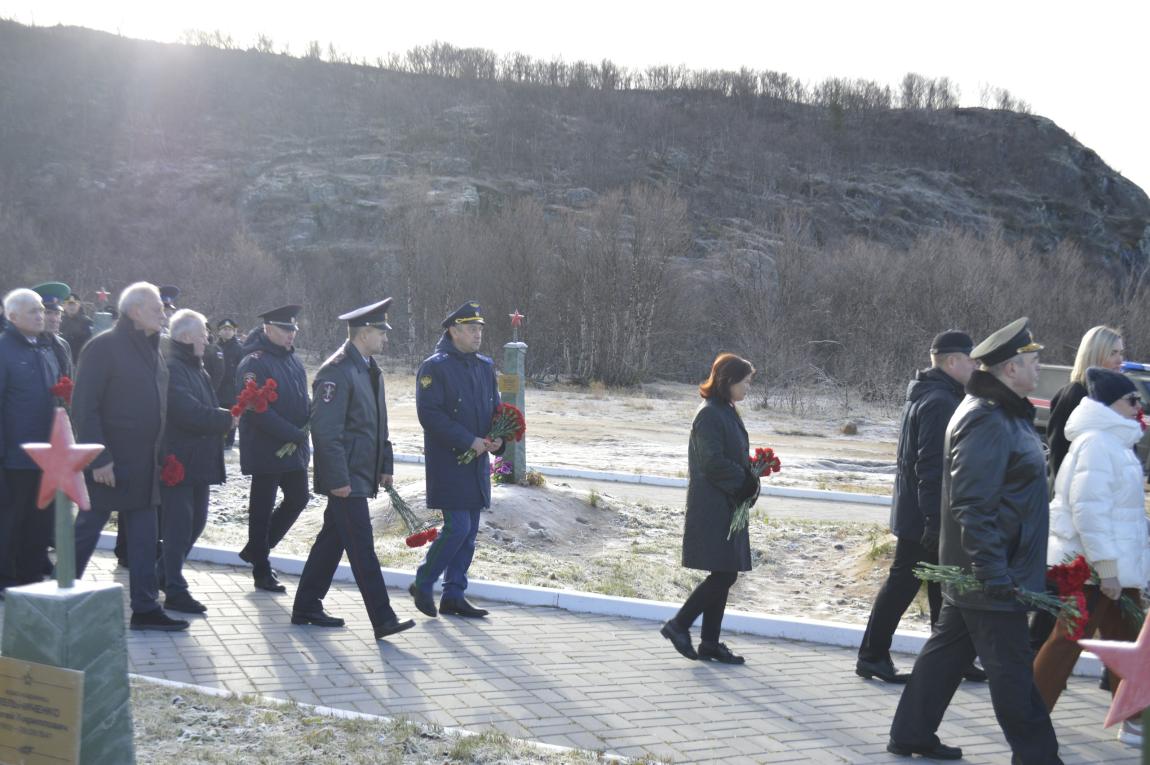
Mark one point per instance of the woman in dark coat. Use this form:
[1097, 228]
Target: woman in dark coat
[720, 478]
[1101, 346]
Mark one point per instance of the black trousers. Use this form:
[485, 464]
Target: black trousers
[346, 526]
[999, 639]
[896, 595]
[140, 532]
[267, 522]
[25, 530]
[183, 520]
[710, 600]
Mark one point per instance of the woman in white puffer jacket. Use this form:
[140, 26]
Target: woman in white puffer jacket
[1098, 511]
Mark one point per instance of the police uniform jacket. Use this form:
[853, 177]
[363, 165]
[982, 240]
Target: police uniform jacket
[455, 398]
[226, 391]
[995, 513]
[77, 330]
[719, 478]
[28, 370]
[931, 399]
[262, 434]
[196, 425]
[349, 424]
[120, 401]
[214, 366]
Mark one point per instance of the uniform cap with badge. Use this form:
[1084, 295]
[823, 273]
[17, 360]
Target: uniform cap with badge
[168, 295]
[468, 313]
[374, 315]
[226, 323]
[283, 317]
[1006, 343]
[53, 295]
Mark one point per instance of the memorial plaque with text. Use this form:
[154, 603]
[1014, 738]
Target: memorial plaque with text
[40, 709]
[508, 383]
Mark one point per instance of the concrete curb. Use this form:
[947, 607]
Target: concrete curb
[681, 483]
[347, 714]
[762, 625]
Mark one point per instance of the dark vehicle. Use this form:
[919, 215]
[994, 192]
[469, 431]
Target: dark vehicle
[1053, 378]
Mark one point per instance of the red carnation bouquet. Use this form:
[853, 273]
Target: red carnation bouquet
[63, 389]
[1141, 417]
[419, 532]
[763, 463]
[172, 474]
[255, 397]
[507, 423]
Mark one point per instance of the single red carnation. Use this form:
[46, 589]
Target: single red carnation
[63, 390]
[172, 473]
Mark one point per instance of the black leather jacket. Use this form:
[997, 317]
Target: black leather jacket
[995, 512]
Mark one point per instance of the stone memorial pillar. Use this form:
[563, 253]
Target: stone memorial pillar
[512, 389]
[75, 625]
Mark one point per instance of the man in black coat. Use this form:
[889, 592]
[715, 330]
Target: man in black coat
[931, 399]
[120, 401]
[353, 457]
[233, 352]
[995, 521]
[28, 370]
[270, 355]
[193, 439]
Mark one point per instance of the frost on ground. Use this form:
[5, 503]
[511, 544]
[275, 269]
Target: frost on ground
[179, 725]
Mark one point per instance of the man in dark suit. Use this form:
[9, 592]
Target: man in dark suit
[455, 396]
[270, 355]
[995, 522]
[931, 399]
[226, 390]
[28, 370]
[120, 401]
[353, 457]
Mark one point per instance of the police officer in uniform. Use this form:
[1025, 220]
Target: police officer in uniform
[994, 524]
[270, 354]
[455, 397]
[53, 294]
[75, 325]
[353, 457]
[229, 345]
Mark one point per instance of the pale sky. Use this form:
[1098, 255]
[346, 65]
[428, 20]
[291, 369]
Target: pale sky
[1082, 64]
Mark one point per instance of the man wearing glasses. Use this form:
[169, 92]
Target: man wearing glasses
[270, 355]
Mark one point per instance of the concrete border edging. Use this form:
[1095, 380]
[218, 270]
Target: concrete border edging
[762, 625]
[681, 483]
[347, 714]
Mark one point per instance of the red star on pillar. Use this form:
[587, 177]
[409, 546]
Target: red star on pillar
[102, 295]
[63, 462]
[1132, 662]
[517, 318]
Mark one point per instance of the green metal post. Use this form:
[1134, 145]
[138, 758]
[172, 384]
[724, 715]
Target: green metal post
[512, 389]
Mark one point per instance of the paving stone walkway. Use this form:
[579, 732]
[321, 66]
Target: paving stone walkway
[594, 682]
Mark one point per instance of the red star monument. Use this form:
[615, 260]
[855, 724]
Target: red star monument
[1132, 662]
[63, 462]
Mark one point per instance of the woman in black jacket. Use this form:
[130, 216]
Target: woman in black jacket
[720, 478]
[194, 437]
[1101, 346]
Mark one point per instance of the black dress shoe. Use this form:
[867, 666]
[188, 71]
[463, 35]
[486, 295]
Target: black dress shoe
[680, 638]
[319, 618]
[269, 582]
[157, 620]
[974, 674]
[719, 652]
[392, 626]
[460, 607]
[423, 601]
[184, 603]
[883, 669]
[938, 751]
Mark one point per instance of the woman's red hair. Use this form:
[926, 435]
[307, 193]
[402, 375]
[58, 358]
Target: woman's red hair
[726, 370]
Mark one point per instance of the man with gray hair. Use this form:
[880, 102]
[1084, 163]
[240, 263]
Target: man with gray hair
[193, 439]
[28, 370]
[994, 524]
[120, 401]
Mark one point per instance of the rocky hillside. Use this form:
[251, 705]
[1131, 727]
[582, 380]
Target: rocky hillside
[119, 157]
